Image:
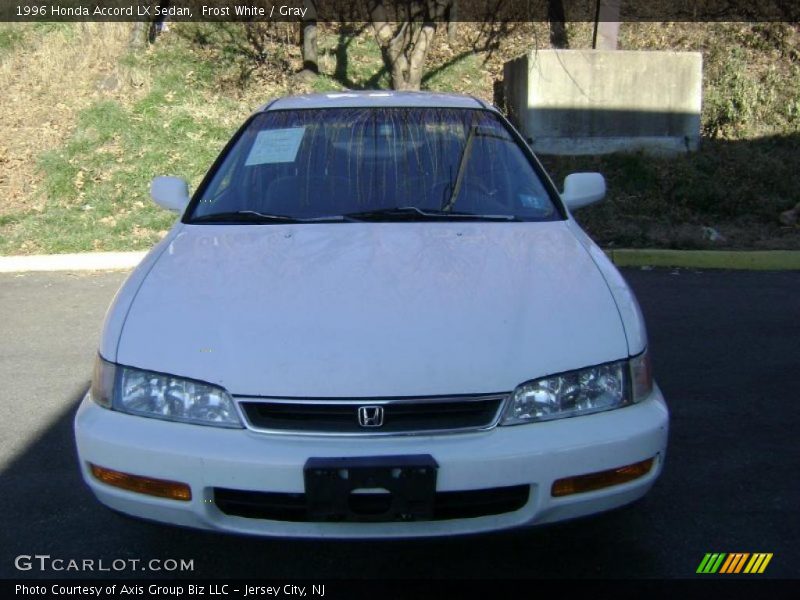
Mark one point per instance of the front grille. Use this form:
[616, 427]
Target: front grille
[447, 505]
[422, 415]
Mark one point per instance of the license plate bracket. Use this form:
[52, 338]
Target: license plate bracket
[346, 489]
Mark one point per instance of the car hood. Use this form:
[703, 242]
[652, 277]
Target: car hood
[372, 309]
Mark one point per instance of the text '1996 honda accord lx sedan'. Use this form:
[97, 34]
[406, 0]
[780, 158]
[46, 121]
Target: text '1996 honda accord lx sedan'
[376, 317]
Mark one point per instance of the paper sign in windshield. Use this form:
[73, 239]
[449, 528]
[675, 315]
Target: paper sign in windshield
[275, 146]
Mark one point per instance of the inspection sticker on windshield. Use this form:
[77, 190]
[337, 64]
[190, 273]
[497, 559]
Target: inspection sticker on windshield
[275, 146]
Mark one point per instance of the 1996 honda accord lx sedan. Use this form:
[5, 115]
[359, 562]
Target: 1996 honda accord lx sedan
[376, 317]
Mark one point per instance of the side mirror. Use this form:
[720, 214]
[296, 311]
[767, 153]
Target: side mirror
[582, 189]
[171, 193]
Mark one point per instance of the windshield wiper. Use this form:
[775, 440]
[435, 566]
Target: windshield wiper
[413, 213]
[400, 213]
[253, 216]
[465, 154]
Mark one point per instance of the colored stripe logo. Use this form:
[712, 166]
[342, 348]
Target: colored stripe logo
[735, 562]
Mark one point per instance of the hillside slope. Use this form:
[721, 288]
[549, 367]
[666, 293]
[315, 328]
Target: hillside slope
[89, 122]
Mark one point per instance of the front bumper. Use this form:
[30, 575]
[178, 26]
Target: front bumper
[208, 457]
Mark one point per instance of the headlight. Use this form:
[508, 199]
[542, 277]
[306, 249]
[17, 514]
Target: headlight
[585, 391]
[160, 396]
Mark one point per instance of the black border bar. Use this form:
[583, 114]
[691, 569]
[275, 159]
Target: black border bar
[497, 11]
[108, 589]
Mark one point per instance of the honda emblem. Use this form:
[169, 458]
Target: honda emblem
[370, 416]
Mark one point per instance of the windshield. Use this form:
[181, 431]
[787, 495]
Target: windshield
[374, 164]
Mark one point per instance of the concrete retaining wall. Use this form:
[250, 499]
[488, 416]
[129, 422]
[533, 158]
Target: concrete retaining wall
[596, 101]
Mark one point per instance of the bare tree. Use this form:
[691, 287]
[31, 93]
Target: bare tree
[404, 30]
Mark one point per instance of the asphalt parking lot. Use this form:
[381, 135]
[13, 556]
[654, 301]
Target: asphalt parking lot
[726, 349]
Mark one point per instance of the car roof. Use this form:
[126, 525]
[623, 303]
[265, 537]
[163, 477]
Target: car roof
[375, 98]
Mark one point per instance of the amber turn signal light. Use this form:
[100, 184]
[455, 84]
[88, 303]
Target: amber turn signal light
[602, 479]
[143, 485]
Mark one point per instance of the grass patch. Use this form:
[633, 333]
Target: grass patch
[738, 187]
[13, 35]
[10, 35]
[10, 219]
[97, 184]
[464, 72]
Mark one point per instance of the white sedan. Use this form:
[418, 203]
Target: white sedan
[375, 318]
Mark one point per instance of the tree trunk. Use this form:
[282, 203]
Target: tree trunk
[405, 55]
[309, 38]
[423, 39]
[405, 44]
[158, 24]
[558, 24]
[146, 32]
[452, 22]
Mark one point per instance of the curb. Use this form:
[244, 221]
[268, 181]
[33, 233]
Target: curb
[757, 260]
[88, 261]
[748, 260]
